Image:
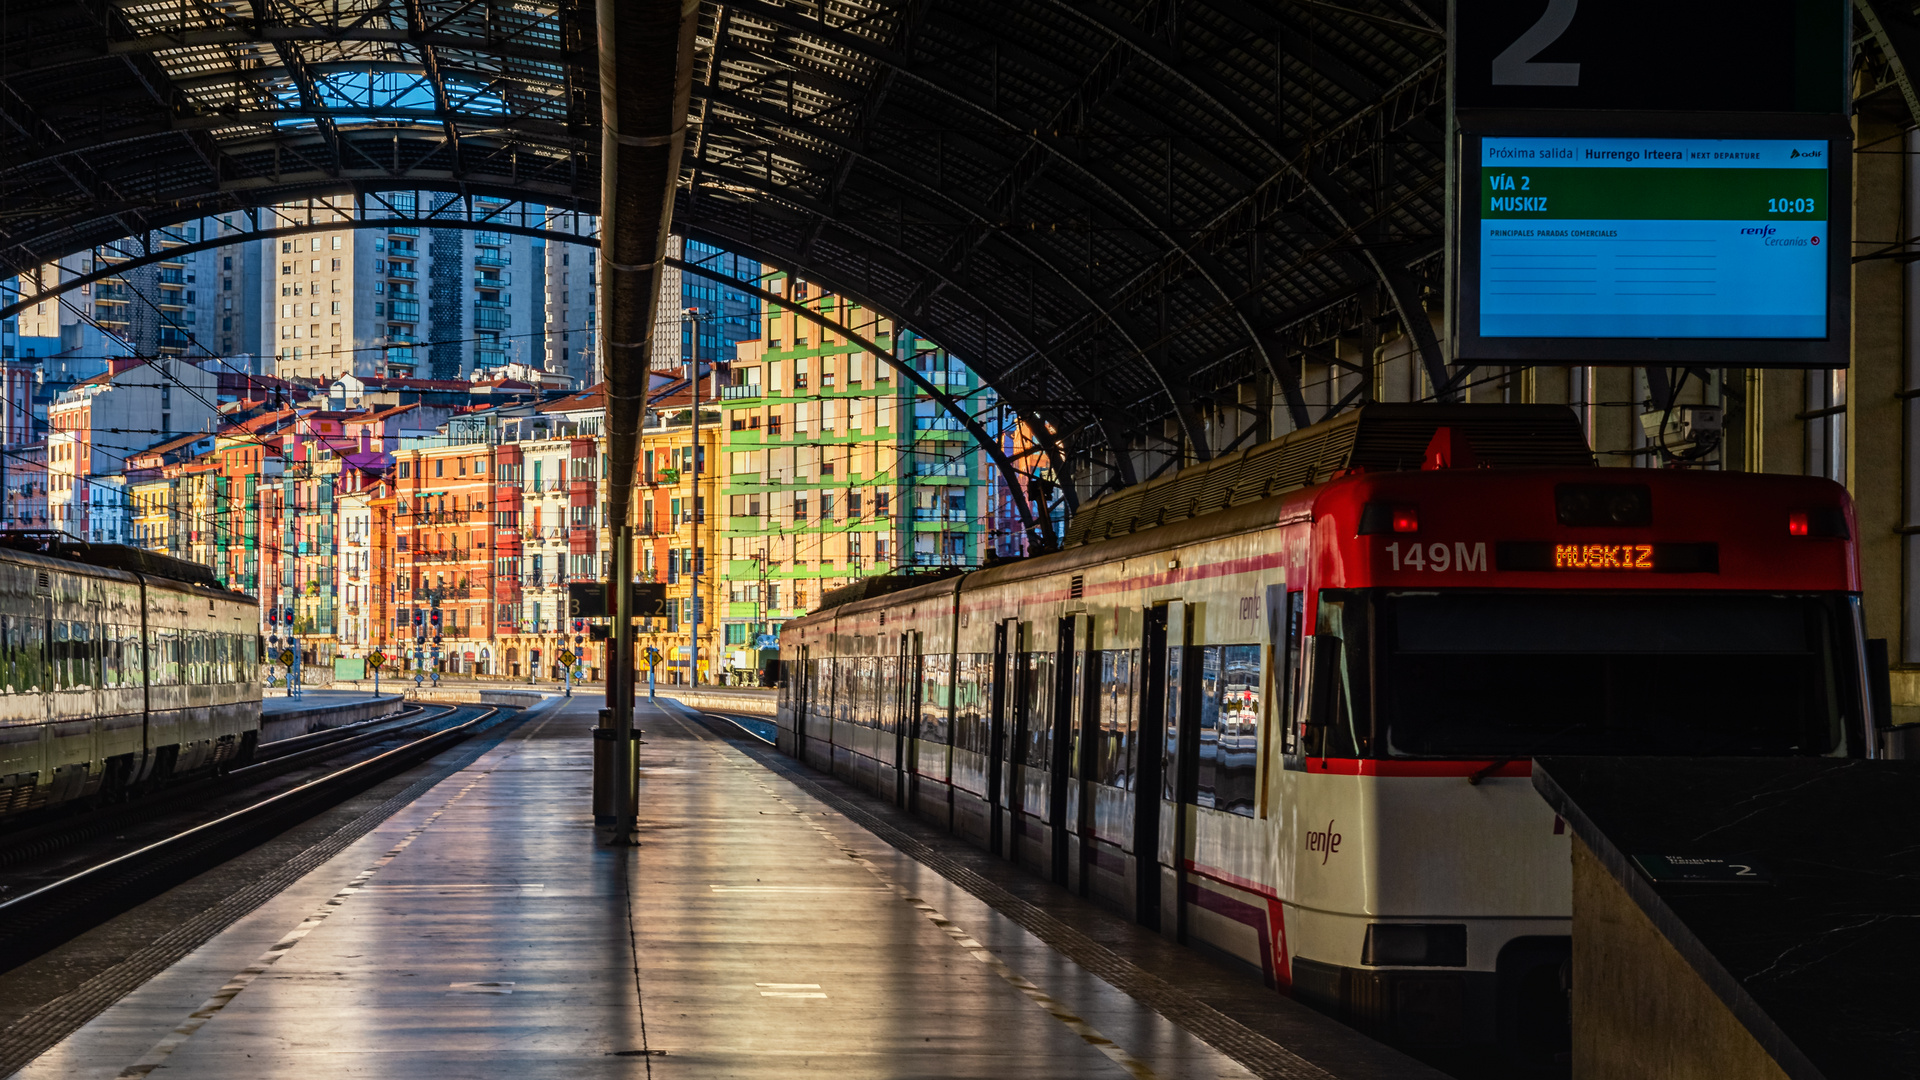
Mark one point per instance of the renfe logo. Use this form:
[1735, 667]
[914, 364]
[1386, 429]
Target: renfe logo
[1325, 841]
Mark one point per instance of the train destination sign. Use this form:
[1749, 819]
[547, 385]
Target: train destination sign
[1608, 556]
[1653, 238]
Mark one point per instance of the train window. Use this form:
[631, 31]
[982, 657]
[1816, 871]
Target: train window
[1206, 761]
[110, 657]
[170, 657]
[1228, 759]
[970, 728]
[1113, 754]
[1038, 685]
[1170, 735]
[1697, 674]
[73, 654]
[934, 698]
[1287, 680]
[25, 654]
[1341, 623]
[1238, 760]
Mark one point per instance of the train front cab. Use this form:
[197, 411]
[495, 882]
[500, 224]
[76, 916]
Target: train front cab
[1456, 623]
[1317, 713]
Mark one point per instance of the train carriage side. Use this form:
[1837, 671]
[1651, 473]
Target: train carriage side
[75, 657]
[1113, 666]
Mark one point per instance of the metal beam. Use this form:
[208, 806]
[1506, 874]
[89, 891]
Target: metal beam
[165, 254]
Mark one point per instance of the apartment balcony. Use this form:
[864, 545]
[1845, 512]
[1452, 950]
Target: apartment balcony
[489, 357]
[173, 277]
[497, 280]
[402, 273]
[402, 230]
[492, 258]
[740, 393]
[403, 309]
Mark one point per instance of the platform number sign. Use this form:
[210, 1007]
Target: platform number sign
[376, 660]
[1773, 56]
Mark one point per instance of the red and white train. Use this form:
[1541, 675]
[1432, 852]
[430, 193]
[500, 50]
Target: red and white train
[1283, 705]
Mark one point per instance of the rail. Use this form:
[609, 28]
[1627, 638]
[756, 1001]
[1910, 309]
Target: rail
[38, 920]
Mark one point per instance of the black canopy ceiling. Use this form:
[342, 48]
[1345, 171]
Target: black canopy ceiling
[1111, 209]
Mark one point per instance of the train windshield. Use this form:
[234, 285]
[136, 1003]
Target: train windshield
[1693, 674]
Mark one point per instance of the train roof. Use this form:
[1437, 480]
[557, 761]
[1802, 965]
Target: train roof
[113, 557]
[1381, 437]
[1293, 477]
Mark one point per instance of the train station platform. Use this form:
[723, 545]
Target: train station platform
[282, 717]
[772, 922]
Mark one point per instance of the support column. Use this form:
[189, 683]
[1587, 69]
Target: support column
[1616, 415]
[1875, 432]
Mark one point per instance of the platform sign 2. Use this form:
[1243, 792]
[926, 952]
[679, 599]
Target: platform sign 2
[1702, 870]
[1636, 182]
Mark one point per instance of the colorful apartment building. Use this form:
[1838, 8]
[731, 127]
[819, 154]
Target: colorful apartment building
[837, 466]
[444, 585]
[678, 526]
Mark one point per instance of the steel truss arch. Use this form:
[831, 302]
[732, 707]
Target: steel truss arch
[275, 232]
[1116, 211]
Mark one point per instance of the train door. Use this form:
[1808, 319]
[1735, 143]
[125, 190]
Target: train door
[1146, 776]
[901, 692]
[1180, 754]
[799, 675]
[912, 677]
[999, 700]
[1065, 680]
[1019, 735]
[1085, 684]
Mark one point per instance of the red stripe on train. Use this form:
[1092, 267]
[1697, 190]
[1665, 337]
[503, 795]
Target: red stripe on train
[1379, 767]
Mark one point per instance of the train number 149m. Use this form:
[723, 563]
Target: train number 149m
[1439, 557]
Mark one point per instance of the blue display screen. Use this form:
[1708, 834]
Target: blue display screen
[1653, 238]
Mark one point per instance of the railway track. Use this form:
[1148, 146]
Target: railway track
[62, 827]
[42, 918]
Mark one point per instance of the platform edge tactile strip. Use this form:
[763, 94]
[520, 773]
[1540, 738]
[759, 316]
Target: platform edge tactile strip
[43, 1028]
[1251, 1049]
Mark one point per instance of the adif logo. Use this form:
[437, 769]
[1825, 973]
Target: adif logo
[1803, 153]
[1324, 841]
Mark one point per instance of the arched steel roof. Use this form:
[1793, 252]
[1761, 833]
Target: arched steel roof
[1111, 209]
[125, 115]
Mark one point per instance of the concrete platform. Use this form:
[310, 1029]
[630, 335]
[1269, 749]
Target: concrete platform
[757, 931]
[283, 717]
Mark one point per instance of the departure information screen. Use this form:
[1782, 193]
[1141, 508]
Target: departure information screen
[1653, 238]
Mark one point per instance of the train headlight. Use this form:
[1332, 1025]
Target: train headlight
[1824, 522]
[1415, 945]
[1379, 518]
